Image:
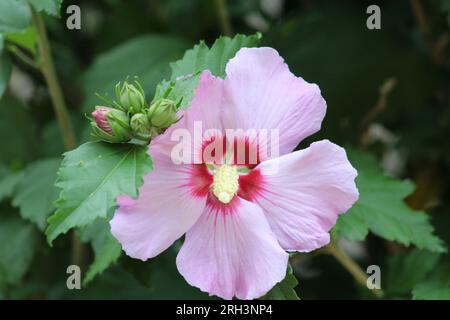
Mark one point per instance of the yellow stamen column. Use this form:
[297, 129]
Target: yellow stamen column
[225, 183]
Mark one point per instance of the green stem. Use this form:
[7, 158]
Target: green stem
[77, 254]
[351, 266]
[47, 68]
[224, 18]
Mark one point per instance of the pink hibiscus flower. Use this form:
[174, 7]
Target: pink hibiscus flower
[239, 224]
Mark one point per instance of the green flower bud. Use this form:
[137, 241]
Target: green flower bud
[163, 113]
[131, 98]
[111, 125]
[141, 126]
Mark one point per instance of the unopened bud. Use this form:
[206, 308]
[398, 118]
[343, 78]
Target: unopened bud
[163, 113]
[131, 98]
[141, 126]
[110, 125]
[101, 120]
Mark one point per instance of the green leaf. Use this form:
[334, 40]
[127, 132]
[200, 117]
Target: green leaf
[16, 248]
[284, 290]
[437, 287]
[51, 143]
[181, 90]
[407, 269]
[194, 60]
[106, 255]
[36, 193]
[51, 7]
[185, 72]
[17, 127]
[106, 248]
[215, 59]
[9, 183]
[26, 39]
[91, 177]
[381, 209]
[352, 226]
[15, 16]
[165, 282]
[146, 56]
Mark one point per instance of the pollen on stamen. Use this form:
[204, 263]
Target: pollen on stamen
[225, 183]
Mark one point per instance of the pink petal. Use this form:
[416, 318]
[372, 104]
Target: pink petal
[166, 208]
[204, 109]
[232, 253]
[304, 192]
[261, 93]
[100, 117]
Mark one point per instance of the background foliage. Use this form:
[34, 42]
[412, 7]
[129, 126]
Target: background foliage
[388, 102]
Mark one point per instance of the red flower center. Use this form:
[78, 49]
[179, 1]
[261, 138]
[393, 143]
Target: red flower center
[228, 169]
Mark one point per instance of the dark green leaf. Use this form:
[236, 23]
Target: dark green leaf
[36, 193]
[285, 290]
[18, 128]
[16, 248]
[164, 279]
[407, 269]
[106, 248]
[106, 255]
[9, 182]
[381, 209]
[437, 287]
[147, 57]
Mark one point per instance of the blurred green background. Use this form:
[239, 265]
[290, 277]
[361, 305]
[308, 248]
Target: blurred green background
[387, 93]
